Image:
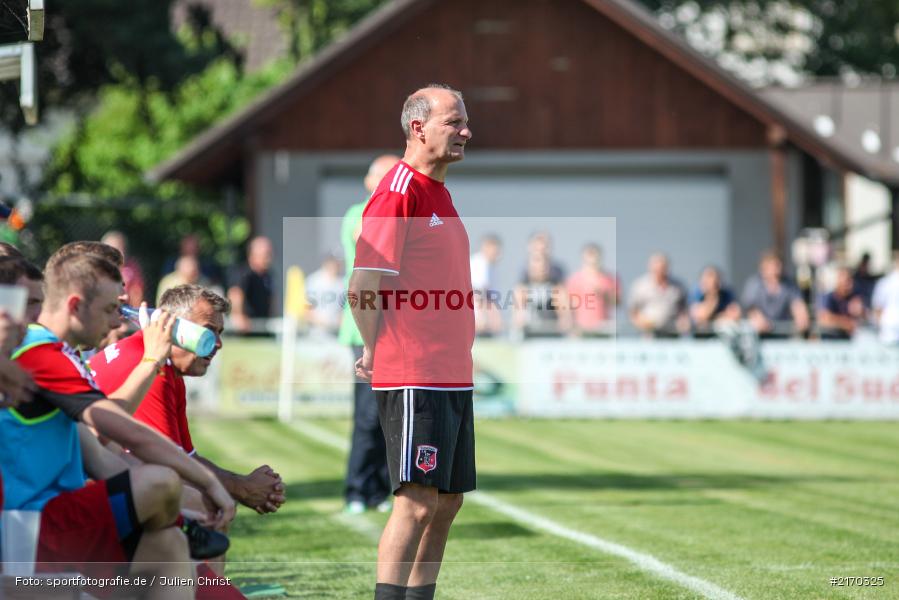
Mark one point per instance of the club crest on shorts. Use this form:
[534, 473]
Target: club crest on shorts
[426, 460]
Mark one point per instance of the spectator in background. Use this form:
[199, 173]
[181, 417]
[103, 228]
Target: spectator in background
[864, 280]
[657, 304]
[209, 270]
[711, 302]
[132, 276]
[251, 290]
[773, 304]
[187, 271]
[367, 483]
[540, 244]
[541, 306]
[841, 310]
[488, 320]
[885, 303]
[593, 294]
[326, 294]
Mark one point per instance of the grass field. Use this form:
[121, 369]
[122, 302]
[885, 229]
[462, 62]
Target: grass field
[754, 510]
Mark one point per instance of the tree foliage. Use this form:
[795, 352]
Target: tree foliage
[89, 44]
[149, 91]
[311, 24]
[782, 41]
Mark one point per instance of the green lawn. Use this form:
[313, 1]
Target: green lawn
[761, 510]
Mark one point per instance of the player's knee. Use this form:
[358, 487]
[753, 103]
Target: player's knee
[418, 503]
[423, 513]
[167, 484]
[161, 486]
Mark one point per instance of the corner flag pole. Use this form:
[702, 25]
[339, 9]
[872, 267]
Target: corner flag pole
[294, 310]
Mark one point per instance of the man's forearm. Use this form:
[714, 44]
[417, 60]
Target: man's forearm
[99, 462]
[230, 481]
[363, 288]
[368, 320]
[145, 443]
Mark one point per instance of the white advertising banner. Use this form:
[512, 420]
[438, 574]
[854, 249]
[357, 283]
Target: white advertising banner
[702, 379]
[627, 379]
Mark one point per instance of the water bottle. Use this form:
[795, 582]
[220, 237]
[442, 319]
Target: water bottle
[185, 334]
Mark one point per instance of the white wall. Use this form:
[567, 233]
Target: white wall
[867, 200]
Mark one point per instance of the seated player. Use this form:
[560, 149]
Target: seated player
[165, 405]
[100, 250]
[125, 516]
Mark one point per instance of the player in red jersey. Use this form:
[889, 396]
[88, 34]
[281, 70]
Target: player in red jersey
[164, 407]
[411, 297]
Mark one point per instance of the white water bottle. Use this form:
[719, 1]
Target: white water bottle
[185, 334]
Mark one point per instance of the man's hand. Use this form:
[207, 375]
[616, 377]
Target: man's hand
[221, 504]
[364, 365]
[262, 490]
[158, 337]
[16, 385]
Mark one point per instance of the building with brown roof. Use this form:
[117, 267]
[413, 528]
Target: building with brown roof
[581, 110]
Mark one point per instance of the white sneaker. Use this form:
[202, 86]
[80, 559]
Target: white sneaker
[384, 507]
[354, 508]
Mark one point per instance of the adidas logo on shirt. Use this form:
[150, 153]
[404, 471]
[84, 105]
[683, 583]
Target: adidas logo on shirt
[435, 221]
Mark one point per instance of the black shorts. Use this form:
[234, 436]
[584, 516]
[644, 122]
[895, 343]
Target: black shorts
[430, 438]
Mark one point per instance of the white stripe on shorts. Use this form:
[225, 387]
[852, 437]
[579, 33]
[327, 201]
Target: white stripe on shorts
[403, 443]
[407, 476]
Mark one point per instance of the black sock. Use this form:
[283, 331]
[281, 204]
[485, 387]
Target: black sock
[388, 591]
[421, 592]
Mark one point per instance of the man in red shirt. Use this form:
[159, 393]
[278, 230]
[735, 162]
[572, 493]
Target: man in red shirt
[593, 294]
[411, 297]
[164, 407]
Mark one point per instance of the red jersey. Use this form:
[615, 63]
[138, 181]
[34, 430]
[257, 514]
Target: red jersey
[164, 408]
[412, 233]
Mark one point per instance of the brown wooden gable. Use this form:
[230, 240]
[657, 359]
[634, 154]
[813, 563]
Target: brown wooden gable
[537, 74]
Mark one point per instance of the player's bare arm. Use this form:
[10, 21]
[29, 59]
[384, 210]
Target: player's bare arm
[262, 489]
[362, 292]
[146, 444]
[99, 462]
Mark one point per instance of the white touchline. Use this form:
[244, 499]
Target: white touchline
[643, 561]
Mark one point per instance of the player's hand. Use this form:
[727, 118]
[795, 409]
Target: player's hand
[364, 365]
[262, 490]
[158, 336]
[222, 505]
[16, 385]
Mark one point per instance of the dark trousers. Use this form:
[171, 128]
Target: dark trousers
[367, 479]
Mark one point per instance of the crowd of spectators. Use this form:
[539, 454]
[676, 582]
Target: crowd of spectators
[545, 300]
